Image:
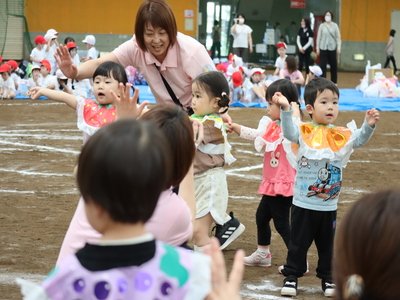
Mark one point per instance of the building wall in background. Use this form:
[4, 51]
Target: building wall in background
[365, 26]
[111, 22]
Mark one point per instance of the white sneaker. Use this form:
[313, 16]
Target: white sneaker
[257, 259]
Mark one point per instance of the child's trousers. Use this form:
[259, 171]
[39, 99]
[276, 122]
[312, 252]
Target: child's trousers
[276, 208]
[308, 226]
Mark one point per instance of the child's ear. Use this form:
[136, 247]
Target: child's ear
[309, 109]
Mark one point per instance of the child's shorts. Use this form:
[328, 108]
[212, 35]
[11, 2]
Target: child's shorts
[211, 192]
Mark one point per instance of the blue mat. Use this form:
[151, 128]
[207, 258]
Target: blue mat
[350, 100]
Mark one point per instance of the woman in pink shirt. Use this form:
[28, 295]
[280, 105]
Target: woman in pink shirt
[156, 47]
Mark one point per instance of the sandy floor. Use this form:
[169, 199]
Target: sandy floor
[39, 143]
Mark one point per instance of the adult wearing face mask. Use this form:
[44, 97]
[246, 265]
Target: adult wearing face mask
[328, 45]
[305, 40]
[242, 40]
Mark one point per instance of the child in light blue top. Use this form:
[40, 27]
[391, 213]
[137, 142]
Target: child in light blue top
[323, 152]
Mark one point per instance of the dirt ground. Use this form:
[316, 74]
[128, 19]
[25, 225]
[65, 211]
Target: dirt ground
[39, 143]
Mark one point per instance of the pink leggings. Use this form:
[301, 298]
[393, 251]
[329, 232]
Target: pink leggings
[79, 232]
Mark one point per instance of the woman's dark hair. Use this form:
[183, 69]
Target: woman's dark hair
[123, 168]
[175, 124]
[111, 69]
[241, 15]
[307, 22]
[369, 229]
[392, 32]
[216, 86]
[158, 14]
[328, 11]
[317, 86]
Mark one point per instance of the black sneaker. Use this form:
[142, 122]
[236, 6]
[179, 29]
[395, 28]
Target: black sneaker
[229, 232]
[289, 286]
[328, 287]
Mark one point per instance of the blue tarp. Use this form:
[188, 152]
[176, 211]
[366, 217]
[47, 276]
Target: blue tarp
[350, 100]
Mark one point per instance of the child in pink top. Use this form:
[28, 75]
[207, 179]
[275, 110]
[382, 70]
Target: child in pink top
[277, 182]
[292, 73]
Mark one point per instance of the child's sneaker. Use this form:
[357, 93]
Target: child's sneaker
[229, 232]
[289, 286]
[258, 259]
[328, 287]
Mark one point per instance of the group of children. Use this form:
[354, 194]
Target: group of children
[42, 70]
[303, 163]
[249, 85]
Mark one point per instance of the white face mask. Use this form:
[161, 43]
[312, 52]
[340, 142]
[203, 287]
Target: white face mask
[241, 21]
[328, 18]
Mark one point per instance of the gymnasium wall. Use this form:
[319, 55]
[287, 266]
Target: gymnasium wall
[365, 26]
[111, 22]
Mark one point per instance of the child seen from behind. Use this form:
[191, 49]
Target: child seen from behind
[122, 170]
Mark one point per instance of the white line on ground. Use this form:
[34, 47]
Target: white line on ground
[30, 173]
[41, 148]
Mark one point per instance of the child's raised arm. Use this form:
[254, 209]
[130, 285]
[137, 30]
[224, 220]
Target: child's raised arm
[281, 100]
[372, 117]
[58, 96]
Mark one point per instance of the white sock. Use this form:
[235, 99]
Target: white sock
[262, 251]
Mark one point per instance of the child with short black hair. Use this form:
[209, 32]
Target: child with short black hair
[323, 152]
[210, 99]
[122, 170]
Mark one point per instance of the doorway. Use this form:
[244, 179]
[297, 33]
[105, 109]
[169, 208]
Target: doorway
[223, 14]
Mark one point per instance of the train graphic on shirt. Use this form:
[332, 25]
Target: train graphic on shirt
[328, 184]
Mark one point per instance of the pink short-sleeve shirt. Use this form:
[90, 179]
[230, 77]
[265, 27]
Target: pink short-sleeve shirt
[185, 60]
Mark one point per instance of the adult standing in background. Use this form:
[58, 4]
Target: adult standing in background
[328, 45]
[156, 49]
[242, 39]
[389, 50]
[305, 40]
[216, 39]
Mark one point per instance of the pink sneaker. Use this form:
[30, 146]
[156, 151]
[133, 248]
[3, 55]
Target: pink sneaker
[257, 259]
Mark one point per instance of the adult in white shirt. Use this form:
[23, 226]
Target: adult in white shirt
[242, 39]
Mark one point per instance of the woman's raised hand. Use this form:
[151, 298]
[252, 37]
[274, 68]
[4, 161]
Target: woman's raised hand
[64, 62]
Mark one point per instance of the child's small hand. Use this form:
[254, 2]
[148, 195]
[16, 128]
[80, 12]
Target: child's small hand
[295, 109]
[35, 92]
[233, 128]
[198, 132]
[281, 100]
[126, 106]
[372, 116]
